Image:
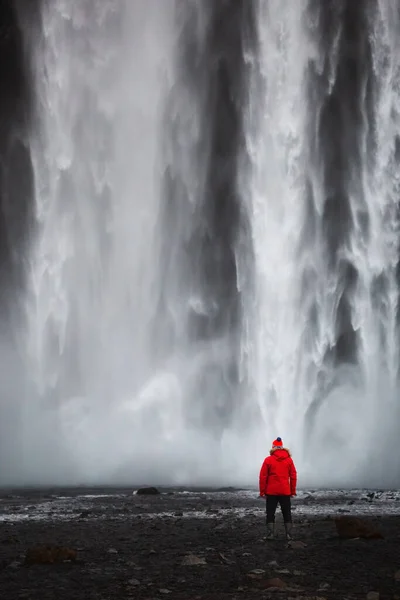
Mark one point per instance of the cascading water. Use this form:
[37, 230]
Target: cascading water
[215, 251]
[322, 154]
[129, 347]
[102, 72]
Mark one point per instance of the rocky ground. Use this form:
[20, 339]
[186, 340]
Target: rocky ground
[192, 545]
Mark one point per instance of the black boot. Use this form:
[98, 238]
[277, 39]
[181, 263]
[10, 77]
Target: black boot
[288, 530]
[270, 531]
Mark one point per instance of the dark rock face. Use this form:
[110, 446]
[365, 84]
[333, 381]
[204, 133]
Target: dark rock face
[15, 166]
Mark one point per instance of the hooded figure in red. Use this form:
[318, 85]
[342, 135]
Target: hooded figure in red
[278, 479]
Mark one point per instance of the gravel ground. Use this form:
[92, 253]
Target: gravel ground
[125, 545]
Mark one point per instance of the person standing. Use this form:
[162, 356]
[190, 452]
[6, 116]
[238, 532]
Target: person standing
[278, 480]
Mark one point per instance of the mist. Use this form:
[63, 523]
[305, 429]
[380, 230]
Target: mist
[199, 242]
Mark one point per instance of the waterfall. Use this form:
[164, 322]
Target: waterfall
[101, 71]
[213, 248]
[131, 347]
[321, 164]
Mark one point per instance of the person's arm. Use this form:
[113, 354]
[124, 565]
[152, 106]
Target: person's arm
[263, 477]
[293, 478]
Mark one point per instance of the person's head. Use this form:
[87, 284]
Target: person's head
[277, 443]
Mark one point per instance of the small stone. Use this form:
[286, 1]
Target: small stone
[373, 596]
[11, 539]
[323, 586]
[257, 574]
[164, 591]
[112, 551]
[134, 582]
[246, 554]
[273, 563]
[226, 560]
[283, 571]
[298, 573]
[14, 565]
[191, 560]
[274, 583]
[296, 544]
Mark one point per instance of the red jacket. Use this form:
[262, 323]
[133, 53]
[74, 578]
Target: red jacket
[278, 476]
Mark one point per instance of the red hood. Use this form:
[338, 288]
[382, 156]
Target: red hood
[280, 454]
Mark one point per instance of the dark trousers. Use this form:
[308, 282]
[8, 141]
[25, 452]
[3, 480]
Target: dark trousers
[286, 508]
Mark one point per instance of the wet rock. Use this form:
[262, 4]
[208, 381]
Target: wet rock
[323, 587]
[226, 560]
[49, 555]
[147, 491]
[11, 539]
[191, 560]
[274, 583]
[296, 544]
[256, 574]
[352, 527]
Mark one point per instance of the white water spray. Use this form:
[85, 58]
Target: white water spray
[114, 393]
[102, 72]
[113, 369]
[331, 412]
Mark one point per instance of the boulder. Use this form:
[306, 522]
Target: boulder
[147, 491]
[274, 583]
[352, 527]
[41, 555]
